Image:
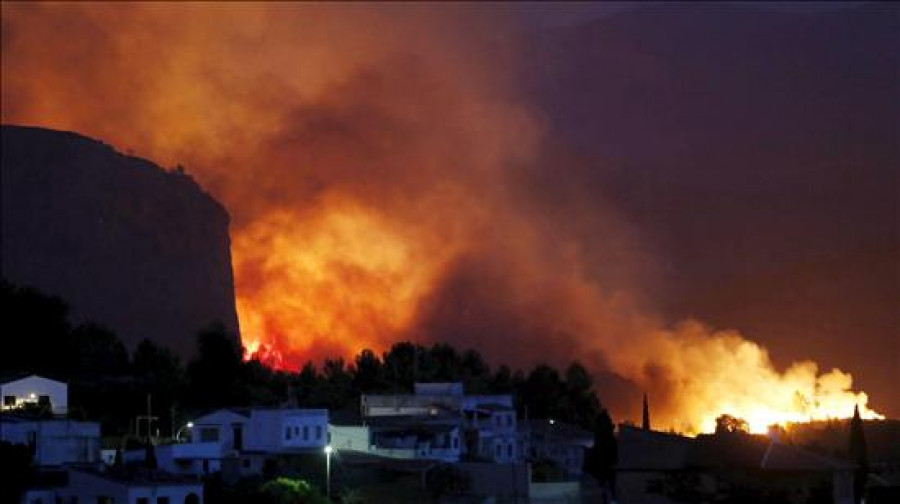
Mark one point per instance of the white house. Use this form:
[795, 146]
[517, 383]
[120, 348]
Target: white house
[486, 423]
[279, 430]
[35, 390]
[490, 422]
[187, 458]
[53, 441]
[241, 439]
[213, 439]
[224, 428]
[415, 437]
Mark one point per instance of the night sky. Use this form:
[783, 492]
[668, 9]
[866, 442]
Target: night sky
[614, 183]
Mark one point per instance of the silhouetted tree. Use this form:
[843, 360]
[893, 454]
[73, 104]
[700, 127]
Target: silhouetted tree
[540, 392]
[600, 459]
[96, 351]
[400, 364]
[213, 375]
[859, 455]
[579, 404]
[262, 385]
[645, 417]
[503, 381]
[36, 330]
[475, 372]
[369, 375]
[155, 363]
[305, 383]
[727, 424]
[444, 363]
[336, 384]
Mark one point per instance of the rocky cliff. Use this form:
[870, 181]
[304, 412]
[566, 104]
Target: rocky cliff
[142, 250]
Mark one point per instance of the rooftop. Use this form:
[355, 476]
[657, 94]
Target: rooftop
[142, 477]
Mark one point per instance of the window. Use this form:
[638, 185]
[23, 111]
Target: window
[497, 451]
[192, 498]
[238, 433]
[509, 450]
[318, 432]
[105, 500]
[209, 434]
[162, 500]
[143, 500]
[306, 433]
[287, 433]
[246, 463]
[455, 443]
[9, 400]
[44, 400]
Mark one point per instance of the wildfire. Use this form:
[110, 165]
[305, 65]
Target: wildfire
[357, 167]
[264, 353]
[724, 373]
[327, 284]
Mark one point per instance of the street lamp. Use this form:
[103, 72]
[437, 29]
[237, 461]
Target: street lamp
[328, 450]
[189, 425]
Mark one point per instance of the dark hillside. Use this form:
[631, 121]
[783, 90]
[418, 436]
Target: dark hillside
[139, 249]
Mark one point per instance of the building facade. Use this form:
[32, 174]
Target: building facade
[35, 390]
[53, 441]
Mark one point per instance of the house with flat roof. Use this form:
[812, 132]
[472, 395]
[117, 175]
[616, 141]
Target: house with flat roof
[53, 441]
[240, 440]
[443, 415]
[416, 437]
[562, 443]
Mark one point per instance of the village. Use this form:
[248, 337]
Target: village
[436, 442]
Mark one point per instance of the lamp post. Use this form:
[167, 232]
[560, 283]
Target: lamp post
[189, 425]
[328, 450]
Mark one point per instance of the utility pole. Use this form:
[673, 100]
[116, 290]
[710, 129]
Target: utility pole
[149, 418]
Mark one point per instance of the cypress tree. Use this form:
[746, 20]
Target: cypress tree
[859, 455]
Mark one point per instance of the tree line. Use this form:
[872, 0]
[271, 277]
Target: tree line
[109, 385]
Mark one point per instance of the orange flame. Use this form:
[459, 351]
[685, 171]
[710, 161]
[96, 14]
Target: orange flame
[713, 373]
[264, 353]
[327, 286]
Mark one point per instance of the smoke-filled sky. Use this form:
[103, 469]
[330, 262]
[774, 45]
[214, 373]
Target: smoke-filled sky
[661, 192]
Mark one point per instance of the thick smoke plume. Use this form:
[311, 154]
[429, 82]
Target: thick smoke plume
[387, 180]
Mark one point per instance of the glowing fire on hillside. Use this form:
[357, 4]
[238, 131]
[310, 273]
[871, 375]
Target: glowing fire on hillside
[376, 195]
